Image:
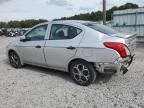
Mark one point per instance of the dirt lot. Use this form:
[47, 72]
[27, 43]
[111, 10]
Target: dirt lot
[34, 87]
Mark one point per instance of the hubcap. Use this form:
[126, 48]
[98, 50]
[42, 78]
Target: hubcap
[81, 73]
[14, 59]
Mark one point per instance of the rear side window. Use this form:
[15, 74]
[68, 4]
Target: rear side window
[101, 28]
[62, 32]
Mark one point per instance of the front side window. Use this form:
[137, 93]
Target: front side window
[37, 33]
[63, 32]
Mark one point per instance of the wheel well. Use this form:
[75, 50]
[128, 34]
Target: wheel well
[76, 60]
[10, 51]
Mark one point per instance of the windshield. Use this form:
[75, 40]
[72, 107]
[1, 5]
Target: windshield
[101, 28]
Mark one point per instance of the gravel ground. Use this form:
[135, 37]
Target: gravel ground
[34, 87]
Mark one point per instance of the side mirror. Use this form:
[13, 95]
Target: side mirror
[24, 39]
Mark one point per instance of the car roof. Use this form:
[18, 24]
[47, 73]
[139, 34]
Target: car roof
[69, 21]
[74, 21]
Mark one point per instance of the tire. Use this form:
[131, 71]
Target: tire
[14, 60]
[82, 72]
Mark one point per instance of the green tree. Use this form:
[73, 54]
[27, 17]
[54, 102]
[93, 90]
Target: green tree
[97, 16]
[93, 16]
[21, 24]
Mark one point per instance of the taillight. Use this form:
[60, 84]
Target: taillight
[121, 48]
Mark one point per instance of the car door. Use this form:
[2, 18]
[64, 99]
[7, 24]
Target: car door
[62, 45]
[31, 50]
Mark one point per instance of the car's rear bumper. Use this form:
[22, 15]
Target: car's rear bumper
[119, 65]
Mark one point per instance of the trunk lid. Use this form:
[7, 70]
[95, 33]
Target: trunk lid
[131, 43]
[130, 40]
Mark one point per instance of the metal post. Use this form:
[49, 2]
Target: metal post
[104, 12]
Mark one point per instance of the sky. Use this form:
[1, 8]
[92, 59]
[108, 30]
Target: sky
[52, 9]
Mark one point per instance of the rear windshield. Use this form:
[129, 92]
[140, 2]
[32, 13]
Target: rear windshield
[101, 28]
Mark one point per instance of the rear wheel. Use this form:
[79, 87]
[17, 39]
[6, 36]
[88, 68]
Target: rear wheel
[14, 60]
[82, 72]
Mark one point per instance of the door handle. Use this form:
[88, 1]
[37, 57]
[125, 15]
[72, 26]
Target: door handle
[71, 48]
[38, 46]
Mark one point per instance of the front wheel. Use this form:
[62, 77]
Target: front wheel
[14, 60]
[82, 72]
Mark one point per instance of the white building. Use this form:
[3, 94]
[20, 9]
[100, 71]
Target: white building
[130, 20]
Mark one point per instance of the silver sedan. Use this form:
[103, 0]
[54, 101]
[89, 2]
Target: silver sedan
[82, 48]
